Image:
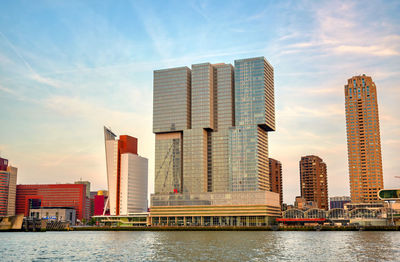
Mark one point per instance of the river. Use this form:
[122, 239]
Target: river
[200, 246]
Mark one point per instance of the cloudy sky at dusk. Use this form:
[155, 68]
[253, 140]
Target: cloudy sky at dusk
[69, 67]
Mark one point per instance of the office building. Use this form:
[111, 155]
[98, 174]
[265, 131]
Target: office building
[275, 178]
[314, 181]
[211, 124]
[87, 184]
[52, 195]
[88, 199]
[363, 139]
[8, 181]
[339, 201]
[255, 208]
[126, 175]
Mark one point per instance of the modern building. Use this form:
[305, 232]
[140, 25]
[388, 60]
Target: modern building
[338, 201]
[99, 203]
[8, 181]
[126, 175]
[255, 208]
[87, 184]
[54, 214]
[211, 124]
[363, 139]
[52, 195]
[88, 199]
[314, 180]
[275, 178]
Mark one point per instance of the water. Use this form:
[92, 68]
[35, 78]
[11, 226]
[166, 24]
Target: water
[200, 246]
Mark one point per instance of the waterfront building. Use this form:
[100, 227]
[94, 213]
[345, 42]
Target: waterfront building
[51, 195]
[338, 201]
[8, 181]
[54, 214]
[126, 175]
[275, 178]
[255, 208]
[363, 139]
[314, 180]
[211, 124]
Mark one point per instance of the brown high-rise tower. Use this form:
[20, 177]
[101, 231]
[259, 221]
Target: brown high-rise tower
[363, 139]
[314, 181]
[275, 178]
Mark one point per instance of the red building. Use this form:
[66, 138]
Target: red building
[4, 178]
[99, 205]
[56, 195]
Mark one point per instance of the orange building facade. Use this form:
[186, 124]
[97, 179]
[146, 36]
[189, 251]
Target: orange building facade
[363, 139]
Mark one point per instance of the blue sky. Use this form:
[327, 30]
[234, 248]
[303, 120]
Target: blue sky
[69, 67]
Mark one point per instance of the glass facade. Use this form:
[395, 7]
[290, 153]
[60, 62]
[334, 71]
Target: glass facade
[254, 117]
[223, 143]
[168, 163]
[171, 99]
[195, 160]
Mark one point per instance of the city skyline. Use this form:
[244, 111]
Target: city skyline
[59, 84]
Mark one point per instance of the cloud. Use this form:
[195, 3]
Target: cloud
[340, 29]
[324, 111]
[366, 50]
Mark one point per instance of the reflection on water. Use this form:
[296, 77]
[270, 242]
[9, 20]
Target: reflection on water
[201, 246]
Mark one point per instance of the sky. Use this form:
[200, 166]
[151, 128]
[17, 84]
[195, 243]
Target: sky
[67, 68]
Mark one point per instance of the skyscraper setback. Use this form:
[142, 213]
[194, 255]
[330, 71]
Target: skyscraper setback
[211, 149]
[363, 139]
[211, 125]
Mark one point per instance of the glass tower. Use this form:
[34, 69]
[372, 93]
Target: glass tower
[363, 139]
[254, 117]
[211, 124]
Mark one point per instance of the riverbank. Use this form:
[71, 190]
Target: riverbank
[268, 228]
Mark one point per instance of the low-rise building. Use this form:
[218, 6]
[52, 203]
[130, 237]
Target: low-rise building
[255, 208]
[339, 201]
[51, 195]
[54, 214]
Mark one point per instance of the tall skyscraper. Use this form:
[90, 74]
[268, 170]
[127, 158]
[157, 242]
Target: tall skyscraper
[126, 175]
[211, 151]
[314, 181]
[363, 139]
[8, 181]
[254, 117]
[211, 125]
[275, 178]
